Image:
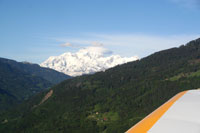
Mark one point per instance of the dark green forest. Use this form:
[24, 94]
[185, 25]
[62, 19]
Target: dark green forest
[110, 101]
[19, 81]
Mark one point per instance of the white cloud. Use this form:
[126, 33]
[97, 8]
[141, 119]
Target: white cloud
[97, 44]
[66, 45]
[187, 3]
[132, 44]
[96, 49]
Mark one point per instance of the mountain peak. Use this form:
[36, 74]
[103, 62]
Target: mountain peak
[87, 60]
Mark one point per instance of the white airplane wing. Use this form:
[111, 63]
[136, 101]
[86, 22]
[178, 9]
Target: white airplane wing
[181, 114]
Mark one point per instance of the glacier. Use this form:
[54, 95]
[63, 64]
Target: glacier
[85, 61]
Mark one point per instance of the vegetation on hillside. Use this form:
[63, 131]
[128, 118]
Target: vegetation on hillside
[110, 101]
[19, 81]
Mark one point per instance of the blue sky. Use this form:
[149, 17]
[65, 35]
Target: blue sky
[33, 30]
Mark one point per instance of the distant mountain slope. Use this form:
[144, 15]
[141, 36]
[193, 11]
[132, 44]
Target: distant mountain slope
[35, 70]
[19, 81]
[110, 101]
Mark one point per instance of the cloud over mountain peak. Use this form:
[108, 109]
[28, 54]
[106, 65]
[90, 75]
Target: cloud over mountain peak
[85, 61]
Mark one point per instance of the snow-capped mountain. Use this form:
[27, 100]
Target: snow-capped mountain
[87, 60]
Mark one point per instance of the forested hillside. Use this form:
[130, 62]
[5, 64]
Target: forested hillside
[35, 70]
[110, 101]
[19, 81]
